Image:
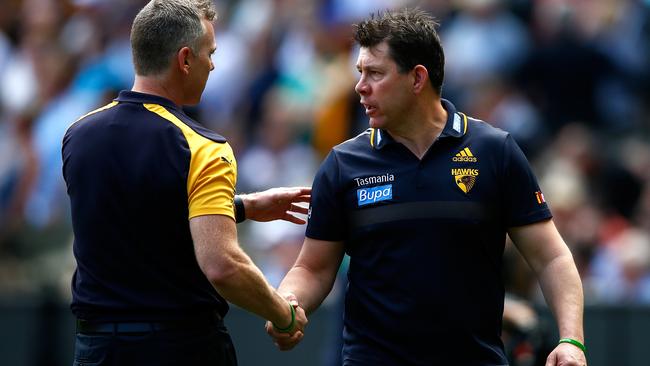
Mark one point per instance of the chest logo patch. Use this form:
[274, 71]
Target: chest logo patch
[465, 155]
[366, 196]
[465, 178]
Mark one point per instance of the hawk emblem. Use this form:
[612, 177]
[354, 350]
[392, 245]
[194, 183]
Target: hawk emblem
[465, 178]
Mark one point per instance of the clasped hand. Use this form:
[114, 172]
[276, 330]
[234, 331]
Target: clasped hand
[286, 341]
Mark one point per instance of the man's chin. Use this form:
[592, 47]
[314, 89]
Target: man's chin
[374, 123]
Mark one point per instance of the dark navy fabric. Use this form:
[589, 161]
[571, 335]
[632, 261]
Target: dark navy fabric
[210, 346]
[425, 251]
[126, 171]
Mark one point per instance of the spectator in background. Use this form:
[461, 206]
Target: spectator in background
[564, 72]
[620, 273]
[484, 41]
[277, 158]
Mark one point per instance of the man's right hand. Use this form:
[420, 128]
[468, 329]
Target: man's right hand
[287, 340]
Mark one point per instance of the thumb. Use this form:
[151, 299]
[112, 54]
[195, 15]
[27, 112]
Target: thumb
[551, 359]
[291, 297]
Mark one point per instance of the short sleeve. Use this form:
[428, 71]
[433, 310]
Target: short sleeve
[326, 220]
[524, 201]
[211, 180]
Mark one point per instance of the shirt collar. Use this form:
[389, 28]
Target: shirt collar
[142, 98]
[456, 126]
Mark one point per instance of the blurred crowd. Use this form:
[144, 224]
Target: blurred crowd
[569, 79]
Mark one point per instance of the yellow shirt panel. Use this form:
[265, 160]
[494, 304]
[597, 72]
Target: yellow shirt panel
[212, 173]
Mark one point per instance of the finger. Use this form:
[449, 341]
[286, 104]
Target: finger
[280, 337]
[290, 296]
[303, 190]
[298, 209]
[300, 198]
[288, 344]
[275, 334]
[293, 219]
[550, 360]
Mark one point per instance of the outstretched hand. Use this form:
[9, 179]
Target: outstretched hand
[276, 204]
[286, 341]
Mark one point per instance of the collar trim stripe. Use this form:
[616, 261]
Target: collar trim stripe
[456, 125]
[465, 122]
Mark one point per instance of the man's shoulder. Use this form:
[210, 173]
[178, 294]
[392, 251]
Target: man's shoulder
[92, 120]
[198, 128]
[360, 142]
[141, 117]
[480, 129]
[352, 149]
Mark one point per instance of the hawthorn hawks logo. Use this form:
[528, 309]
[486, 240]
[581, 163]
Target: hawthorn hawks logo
[465, 178]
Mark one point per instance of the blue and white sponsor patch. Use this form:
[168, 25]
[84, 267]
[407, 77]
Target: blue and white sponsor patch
[366, 196]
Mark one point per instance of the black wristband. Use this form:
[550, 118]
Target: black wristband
[240, 211]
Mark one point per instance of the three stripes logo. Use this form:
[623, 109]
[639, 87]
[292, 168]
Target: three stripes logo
[465, 155]
[540, 197]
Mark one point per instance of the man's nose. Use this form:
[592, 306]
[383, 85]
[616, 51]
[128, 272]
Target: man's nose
[361, 87]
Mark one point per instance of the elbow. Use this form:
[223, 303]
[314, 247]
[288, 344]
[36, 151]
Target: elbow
[221, 273]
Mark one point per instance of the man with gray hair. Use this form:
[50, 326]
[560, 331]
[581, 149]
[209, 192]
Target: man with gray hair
[154, 211]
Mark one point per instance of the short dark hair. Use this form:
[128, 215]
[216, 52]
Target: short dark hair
[162, 27]
[412, 39]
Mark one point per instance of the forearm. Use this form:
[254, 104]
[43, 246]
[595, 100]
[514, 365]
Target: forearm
[309, 288]
[562, 290]
[231, 271]
[246, 287]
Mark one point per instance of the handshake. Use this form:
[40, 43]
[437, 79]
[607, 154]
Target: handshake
[285, 338]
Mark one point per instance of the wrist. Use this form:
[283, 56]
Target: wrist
[292, 323]
[574, 342]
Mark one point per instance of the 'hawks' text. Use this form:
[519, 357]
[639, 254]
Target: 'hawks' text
[471, 172]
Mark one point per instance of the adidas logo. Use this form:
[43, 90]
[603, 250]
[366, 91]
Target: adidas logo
[465, 155]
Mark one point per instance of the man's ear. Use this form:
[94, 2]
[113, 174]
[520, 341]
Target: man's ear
[420, 78]
[184, 56]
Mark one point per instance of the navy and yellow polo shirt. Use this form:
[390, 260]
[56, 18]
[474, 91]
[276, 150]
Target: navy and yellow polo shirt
[136, 170]
[425, 240]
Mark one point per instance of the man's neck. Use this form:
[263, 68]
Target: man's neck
[156, 86]
[420, 131]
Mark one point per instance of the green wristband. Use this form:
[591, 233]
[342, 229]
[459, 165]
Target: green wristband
[575, 343]
[291, 325]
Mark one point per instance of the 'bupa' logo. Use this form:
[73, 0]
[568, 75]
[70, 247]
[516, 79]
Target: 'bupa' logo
[366, 196]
